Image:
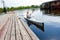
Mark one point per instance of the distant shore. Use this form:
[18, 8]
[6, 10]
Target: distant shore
[19, 8]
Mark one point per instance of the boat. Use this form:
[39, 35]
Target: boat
[38, 24]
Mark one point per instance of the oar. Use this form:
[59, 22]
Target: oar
[32, 12]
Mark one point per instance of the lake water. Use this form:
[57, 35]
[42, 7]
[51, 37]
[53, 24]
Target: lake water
[51, 24]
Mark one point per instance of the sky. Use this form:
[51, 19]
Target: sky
[16, 3]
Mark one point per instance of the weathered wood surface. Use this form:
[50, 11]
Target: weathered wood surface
[13, 28]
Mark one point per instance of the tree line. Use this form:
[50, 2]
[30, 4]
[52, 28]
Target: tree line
[19, 8]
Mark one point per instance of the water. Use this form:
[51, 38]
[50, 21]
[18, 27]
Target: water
[51, 25]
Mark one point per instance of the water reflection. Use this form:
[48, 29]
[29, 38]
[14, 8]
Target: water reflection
[52, 12]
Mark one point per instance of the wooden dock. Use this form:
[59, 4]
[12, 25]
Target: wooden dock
[13, 28]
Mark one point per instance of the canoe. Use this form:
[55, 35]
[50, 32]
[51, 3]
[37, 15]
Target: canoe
[38, 24]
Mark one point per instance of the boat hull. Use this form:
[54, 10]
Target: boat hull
[38, 24]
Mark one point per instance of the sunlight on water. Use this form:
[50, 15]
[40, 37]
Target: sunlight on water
[53, 39]
[47, 18]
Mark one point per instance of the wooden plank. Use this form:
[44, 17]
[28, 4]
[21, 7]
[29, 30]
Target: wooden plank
[8, 34]
[5, 31]
[3, 19]
[18, 31]
[13, 31]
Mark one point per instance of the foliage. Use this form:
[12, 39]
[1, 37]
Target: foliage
[19, 8]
